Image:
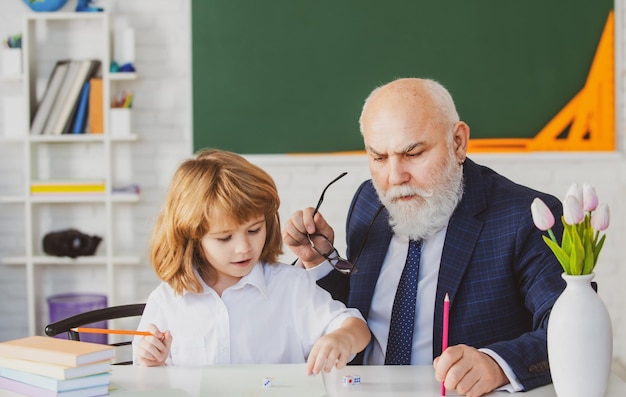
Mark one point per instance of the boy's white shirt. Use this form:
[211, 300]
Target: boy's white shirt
[272, 315]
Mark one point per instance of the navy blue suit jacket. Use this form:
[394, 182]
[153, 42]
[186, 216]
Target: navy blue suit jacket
[501, 277]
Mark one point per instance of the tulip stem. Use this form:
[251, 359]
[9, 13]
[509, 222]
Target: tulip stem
[552, 237]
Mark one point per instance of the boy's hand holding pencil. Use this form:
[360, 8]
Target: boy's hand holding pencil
[154, 348]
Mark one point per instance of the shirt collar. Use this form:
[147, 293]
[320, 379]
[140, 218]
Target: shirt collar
[255, 278]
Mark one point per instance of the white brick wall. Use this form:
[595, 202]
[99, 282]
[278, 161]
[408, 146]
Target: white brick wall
[163, 119]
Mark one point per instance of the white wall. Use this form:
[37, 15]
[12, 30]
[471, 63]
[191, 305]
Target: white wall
[163, 108]
[161, 118]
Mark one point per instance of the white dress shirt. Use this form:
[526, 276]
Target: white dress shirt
[379, 316]
[384, 294]
[272, 315]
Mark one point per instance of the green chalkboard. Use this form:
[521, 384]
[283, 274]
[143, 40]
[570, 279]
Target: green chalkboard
[285, 76]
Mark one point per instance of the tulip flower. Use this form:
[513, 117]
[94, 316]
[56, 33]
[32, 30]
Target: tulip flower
[590, 198]
[600, 218]
[576, 191]
[542, 217]
[583, 219]
[573, 210]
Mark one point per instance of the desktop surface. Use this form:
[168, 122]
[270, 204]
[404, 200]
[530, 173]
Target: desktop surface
[291, 380]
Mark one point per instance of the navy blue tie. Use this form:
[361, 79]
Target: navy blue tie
[400, 341]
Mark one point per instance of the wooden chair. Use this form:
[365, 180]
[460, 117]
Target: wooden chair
[94, 316]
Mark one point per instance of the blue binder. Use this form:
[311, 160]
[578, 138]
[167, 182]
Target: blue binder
[81, 112]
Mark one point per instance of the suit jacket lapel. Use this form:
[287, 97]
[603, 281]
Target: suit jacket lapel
[363, 282]
[463, 231]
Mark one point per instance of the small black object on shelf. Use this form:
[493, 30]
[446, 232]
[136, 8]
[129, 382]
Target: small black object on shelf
[70, 242]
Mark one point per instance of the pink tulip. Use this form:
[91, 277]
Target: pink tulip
[576, 191]
[573, 210]
[542, 217]
[600, 218]
[590, 198]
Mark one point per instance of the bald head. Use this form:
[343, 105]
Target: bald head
[424, 97]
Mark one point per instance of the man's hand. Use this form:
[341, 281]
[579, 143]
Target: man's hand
[294, 235]
[469, 372]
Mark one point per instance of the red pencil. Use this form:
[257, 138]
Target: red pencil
[444, 336]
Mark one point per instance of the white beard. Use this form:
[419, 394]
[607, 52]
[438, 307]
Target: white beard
[428, 213]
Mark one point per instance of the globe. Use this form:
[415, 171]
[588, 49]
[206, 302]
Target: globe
[45, 5]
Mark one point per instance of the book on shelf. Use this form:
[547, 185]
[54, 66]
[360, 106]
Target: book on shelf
[56, 351]
[56, 371]
[96, 106]
[54, 384]
[26, 389]
[44, 107]
[59, 100]
[78, 126]
[67, 187]
[67, 101]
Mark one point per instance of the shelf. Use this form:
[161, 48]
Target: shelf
[81, 260]
[70, 138]
[123, 76]
[64, 16]
[72, 198]
[74, 138]
[85, 198]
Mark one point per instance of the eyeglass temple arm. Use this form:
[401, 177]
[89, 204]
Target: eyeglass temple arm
[319, 203]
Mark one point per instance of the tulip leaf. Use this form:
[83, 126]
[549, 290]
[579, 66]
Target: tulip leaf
[597, 248]
[577, 255]
[567, 239]
[589, 256]
[560, 254]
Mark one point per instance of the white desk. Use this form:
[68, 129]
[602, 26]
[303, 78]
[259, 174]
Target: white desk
[290, 380]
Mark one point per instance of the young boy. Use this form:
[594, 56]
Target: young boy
[224, 298]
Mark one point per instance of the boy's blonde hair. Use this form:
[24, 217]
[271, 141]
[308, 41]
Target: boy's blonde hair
[214, 184]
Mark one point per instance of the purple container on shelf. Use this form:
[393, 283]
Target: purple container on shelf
[62, 306]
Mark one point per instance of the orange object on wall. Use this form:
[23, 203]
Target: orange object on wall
[586, 123]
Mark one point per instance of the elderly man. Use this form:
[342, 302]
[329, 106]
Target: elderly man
[463, 229]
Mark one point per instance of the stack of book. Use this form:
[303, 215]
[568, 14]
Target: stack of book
[44, 187]
[44, 367]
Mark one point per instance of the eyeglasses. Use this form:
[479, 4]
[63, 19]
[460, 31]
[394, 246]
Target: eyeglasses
[324, 247]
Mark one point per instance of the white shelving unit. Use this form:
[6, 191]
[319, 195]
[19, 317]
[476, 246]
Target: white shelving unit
[80, 36]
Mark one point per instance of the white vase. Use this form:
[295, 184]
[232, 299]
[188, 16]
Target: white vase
[580, 340]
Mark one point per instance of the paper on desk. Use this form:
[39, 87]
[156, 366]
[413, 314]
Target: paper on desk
[247, 381]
